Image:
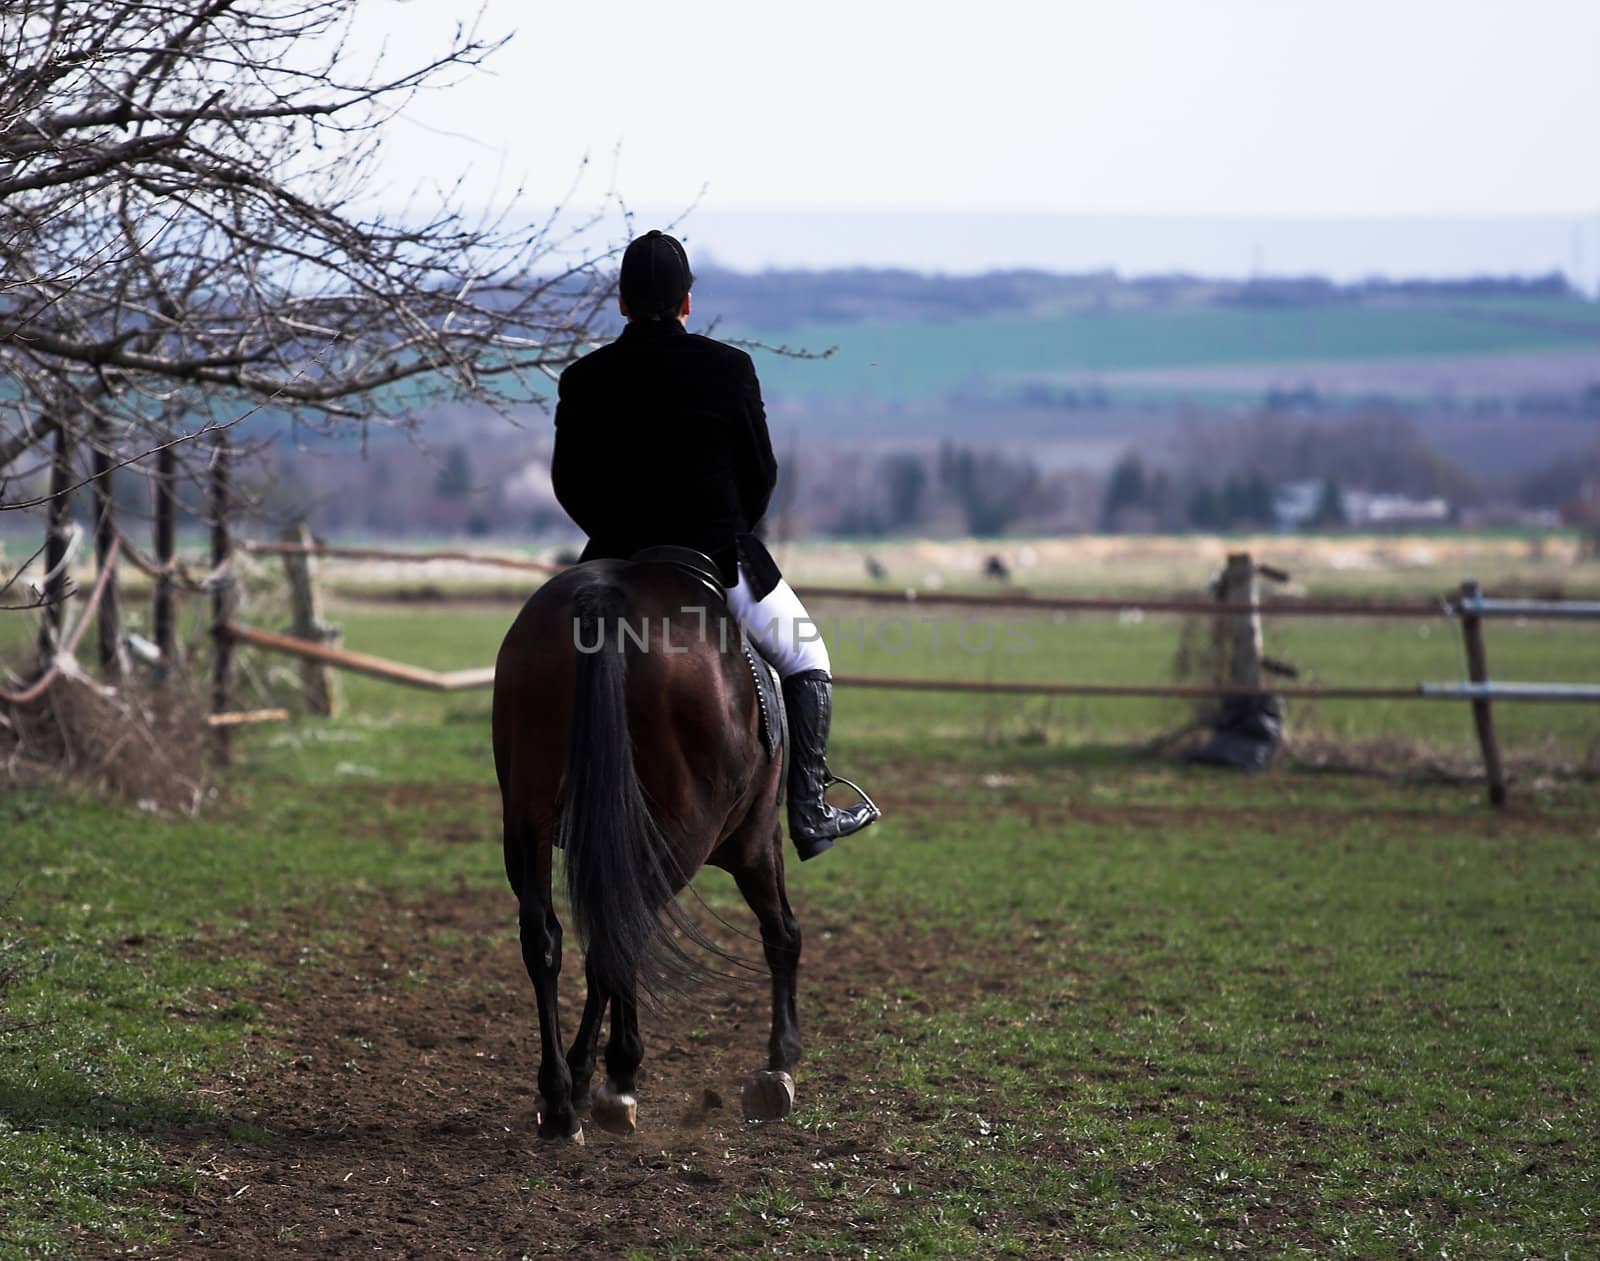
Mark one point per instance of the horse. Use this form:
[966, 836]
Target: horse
[627, 733]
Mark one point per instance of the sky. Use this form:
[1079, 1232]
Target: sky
[1006, 111]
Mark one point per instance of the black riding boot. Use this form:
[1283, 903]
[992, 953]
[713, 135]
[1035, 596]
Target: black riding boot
[814, 825]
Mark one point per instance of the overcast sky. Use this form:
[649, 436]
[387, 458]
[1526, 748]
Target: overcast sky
[1226, 107]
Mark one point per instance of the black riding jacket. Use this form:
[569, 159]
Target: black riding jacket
[661, 437]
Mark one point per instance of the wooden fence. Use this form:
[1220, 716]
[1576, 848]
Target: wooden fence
[58, 646]
[1238, 599]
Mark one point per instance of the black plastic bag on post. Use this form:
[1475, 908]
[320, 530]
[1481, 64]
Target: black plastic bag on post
[1245, 736]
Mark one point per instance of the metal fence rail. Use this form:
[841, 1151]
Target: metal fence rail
[1534, 692]
[1561, 610]
[1556, 692]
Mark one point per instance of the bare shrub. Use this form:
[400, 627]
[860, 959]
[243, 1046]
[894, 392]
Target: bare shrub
[139, 745]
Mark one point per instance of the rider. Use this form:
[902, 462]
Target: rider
[661, 437]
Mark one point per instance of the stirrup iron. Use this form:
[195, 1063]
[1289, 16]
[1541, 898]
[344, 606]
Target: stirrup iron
[853, 787]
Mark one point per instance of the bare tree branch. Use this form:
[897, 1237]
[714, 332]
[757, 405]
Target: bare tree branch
[179, 233]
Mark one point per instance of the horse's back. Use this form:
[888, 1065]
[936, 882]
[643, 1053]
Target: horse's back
[690, 699]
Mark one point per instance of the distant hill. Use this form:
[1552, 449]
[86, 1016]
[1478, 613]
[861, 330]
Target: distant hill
[1030, 339]
[783, 299]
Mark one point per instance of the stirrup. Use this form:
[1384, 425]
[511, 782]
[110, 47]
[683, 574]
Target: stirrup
[855, 788]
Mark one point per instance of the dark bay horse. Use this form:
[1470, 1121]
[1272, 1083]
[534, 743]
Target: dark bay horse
[626, 733]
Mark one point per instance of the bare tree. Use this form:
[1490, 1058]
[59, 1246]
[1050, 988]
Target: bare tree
[183, 240]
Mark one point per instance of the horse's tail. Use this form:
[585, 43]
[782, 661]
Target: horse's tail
[621, 870]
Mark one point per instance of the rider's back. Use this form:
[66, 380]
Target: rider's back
[661, 438]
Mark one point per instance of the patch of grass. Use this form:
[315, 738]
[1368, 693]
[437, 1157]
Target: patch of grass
[1307, 1036]
[137, 998]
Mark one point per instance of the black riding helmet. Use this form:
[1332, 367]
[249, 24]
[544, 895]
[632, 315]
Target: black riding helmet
[655, 276]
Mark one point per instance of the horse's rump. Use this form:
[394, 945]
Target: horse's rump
[642, 770]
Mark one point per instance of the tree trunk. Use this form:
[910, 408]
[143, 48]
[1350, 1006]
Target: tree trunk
[59, 528]
[113, 657]
[163, 616]
[222, 590]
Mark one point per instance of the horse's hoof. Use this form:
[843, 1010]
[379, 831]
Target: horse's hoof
[768, 1096]
[613, 1111]
[575, 1138]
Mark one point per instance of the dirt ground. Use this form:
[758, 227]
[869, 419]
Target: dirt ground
[386, 1116]
[386, 1107]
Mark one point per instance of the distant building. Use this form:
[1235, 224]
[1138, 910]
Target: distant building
[1507, 515]
[1295, 505]
[1365, 510]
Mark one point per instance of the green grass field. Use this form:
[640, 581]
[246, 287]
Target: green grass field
[1161, 1011]
[918, 361]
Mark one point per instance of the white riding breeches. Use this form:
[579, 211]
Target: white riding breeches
[780, 625]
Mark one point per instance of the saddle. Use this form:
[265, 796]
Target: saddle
[696, 564]
[769, 690]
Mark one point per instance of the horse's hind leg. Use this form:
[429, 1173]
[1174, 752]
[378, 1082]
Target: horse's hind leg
[616, 1103]
[769, 1095]
[580, 1059]
[541, 955]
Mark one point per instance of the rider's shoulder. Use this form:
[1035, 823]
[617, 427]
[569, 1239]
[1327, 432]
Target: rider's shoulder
[712, 348]
[591, 362]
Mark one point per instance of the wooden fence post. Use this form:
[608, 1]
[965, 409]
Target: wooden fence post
[1239, 586]
[321, 684]
[1478, 672]
[113, 656]
[222, 590]
[163, 619]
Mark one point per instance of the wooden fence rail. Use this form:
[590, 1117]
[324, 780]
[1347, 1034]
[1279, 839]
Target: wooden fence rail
[360, 662]
[380, 553]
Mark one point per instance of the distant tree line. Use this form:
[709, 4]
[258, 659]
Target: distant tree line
[1562, 479]
[960, 490]
[781, 299]
[1141, 499]
[1301, 291]
[484, 479]
[1227, 477]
